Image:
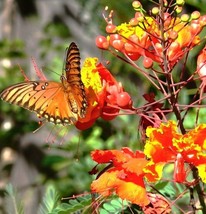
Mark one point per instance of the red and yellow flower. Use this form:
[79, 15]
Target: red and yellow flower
[165, 145]
[105, 96]
[143, 37]
[124, 177]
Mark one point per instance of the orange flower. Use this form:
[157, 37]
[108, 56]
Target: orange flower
[124, 176]
[166, 145]
[142, 37]
[105, 96]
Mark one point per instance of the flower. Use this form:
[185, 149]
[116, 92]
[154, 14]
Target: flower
[105, 96]
[165, 145]
[124, 176]
[141, 36]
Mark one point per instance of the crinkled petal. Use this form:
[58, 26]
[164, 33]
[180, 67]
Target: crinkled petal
[135, 165]
[109, 183]
[106, 183]
[134, 193]
[153, 172]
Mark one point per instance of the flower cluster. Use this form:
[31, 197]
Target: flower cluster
[127, 170]
[157, 45]
[162, 38]
[104, 94]
[141, 36]
[124, 176]
[165, 145]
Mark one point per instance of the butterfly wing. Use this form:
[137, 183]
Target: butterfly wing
[48, 99]
[73, 83]
[60, 103]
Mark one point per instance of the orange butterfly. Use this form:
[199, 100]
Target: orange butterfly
[58, 102]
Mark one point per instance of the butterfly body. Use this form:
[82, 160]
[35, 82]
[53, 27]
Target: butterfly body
[58, 102]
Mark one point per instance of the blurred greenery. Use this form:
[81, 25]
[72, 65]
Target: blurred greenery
[63, 166]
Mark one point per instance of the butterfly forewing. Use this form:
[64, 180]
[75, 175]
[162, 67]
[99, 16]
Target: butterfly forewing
[72, 64]
[58, 102]
[77, 98]
[47, 99]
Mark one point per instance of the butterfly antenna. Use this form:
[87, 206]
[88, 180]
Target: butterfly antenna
[50, 70]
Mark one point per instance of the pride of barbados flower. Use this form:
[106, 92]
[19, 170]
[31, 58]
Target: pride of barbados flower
[125, 171]
[162, 39]
[142, 36]
[105, 96]
[124, 176]
[166, 145]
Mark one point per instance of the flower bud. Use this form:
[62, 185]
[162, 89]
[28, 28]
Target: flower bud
[195, 15]
[110, 28]
[101, 42]
[136, 5]
[180, 2]
[147, 62]
[133, 22]
[185, 18]
[155, 10]
[178, 10]
[173, 35]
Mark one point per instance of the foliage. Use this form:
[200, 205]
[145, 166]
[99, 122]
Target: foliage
[66, 166]
[49, 201]
[12, 204]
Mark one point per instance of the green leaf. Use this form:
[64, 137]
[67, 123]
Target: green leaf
[116, 205]
[12, 204]
[77, 205]
[50, 201]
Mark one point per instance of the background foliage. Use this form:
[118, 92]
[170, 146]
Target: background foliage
[32, 163]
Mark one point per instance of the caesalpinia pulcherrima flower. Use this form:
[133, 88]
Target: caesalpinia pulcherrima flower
[143, 37]
[124, 176]
[165, 145]
[162, 37]
[105, 96]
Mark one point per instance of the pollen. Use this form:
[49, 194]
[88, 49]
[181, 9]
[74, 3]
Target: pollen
[90, 76]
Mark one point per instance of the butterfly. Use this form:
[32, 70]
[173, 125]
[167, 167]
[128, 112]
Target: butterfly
[57, 102]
